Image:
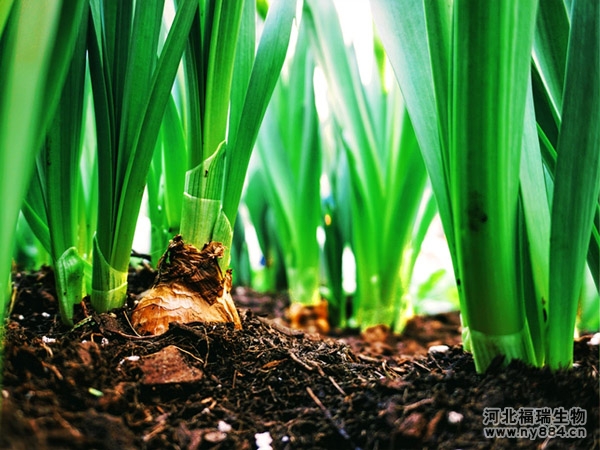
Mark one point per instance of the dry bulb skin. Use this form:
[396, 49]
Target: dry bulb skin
[190, 287]
[310, 318]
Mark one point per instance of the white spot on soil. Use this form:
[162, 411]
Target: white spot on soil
[263, 441]
[438, 349]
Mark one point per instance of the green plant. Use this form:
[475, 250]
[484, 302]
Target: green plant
[289, 150]
[518, 236]
[386, 173]
[228, 83]
[53, 201]
[37, 41]
[36, 44]
[132, 72]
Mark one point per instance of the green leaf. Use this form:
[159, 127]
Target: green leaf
[225, 28]
[34, 206]
[269, 59]
[439, 36]
[404, 33]
[244, 60]
[69, 272]
[550, 51]
[5, 8]
[535, 257]
[202, 218]
[173, 158]
[577, 170]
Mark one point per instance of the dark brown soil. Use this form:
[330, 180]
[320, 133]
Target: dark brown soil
[98, 386]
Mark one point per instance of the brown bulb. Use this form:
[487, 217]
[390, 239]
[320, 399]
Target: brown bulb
[190, 287]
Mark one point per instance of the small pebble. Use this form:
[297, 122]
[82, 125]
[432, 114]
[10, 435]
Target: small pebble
[214, 437]
[48, 340]
[438, 349]
[45, 315]
[454, 417]
[595, 340]
[132, 358]
[263, 441]
[224, 427]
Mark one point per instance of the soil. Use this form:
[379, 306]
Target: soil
[99, 386]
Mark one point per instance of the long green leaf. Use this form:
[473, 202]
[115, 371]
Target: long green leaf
[269, 59]
[34, 206]
[5, 8]
[439, 36]
[403, 29]
[536, 212]
[225, 29]
[244, 60]
[577, 170]
[550, 51]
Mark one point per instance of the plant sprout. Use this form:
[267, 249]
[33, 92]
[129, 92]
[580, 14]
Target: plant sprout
[258, 247]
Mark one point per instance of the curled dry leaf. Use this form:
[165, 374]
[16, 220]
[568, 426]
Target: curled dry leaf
[190, 287]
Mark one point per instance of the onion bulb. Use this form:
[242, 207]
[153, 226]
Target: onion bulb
[189, 287]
